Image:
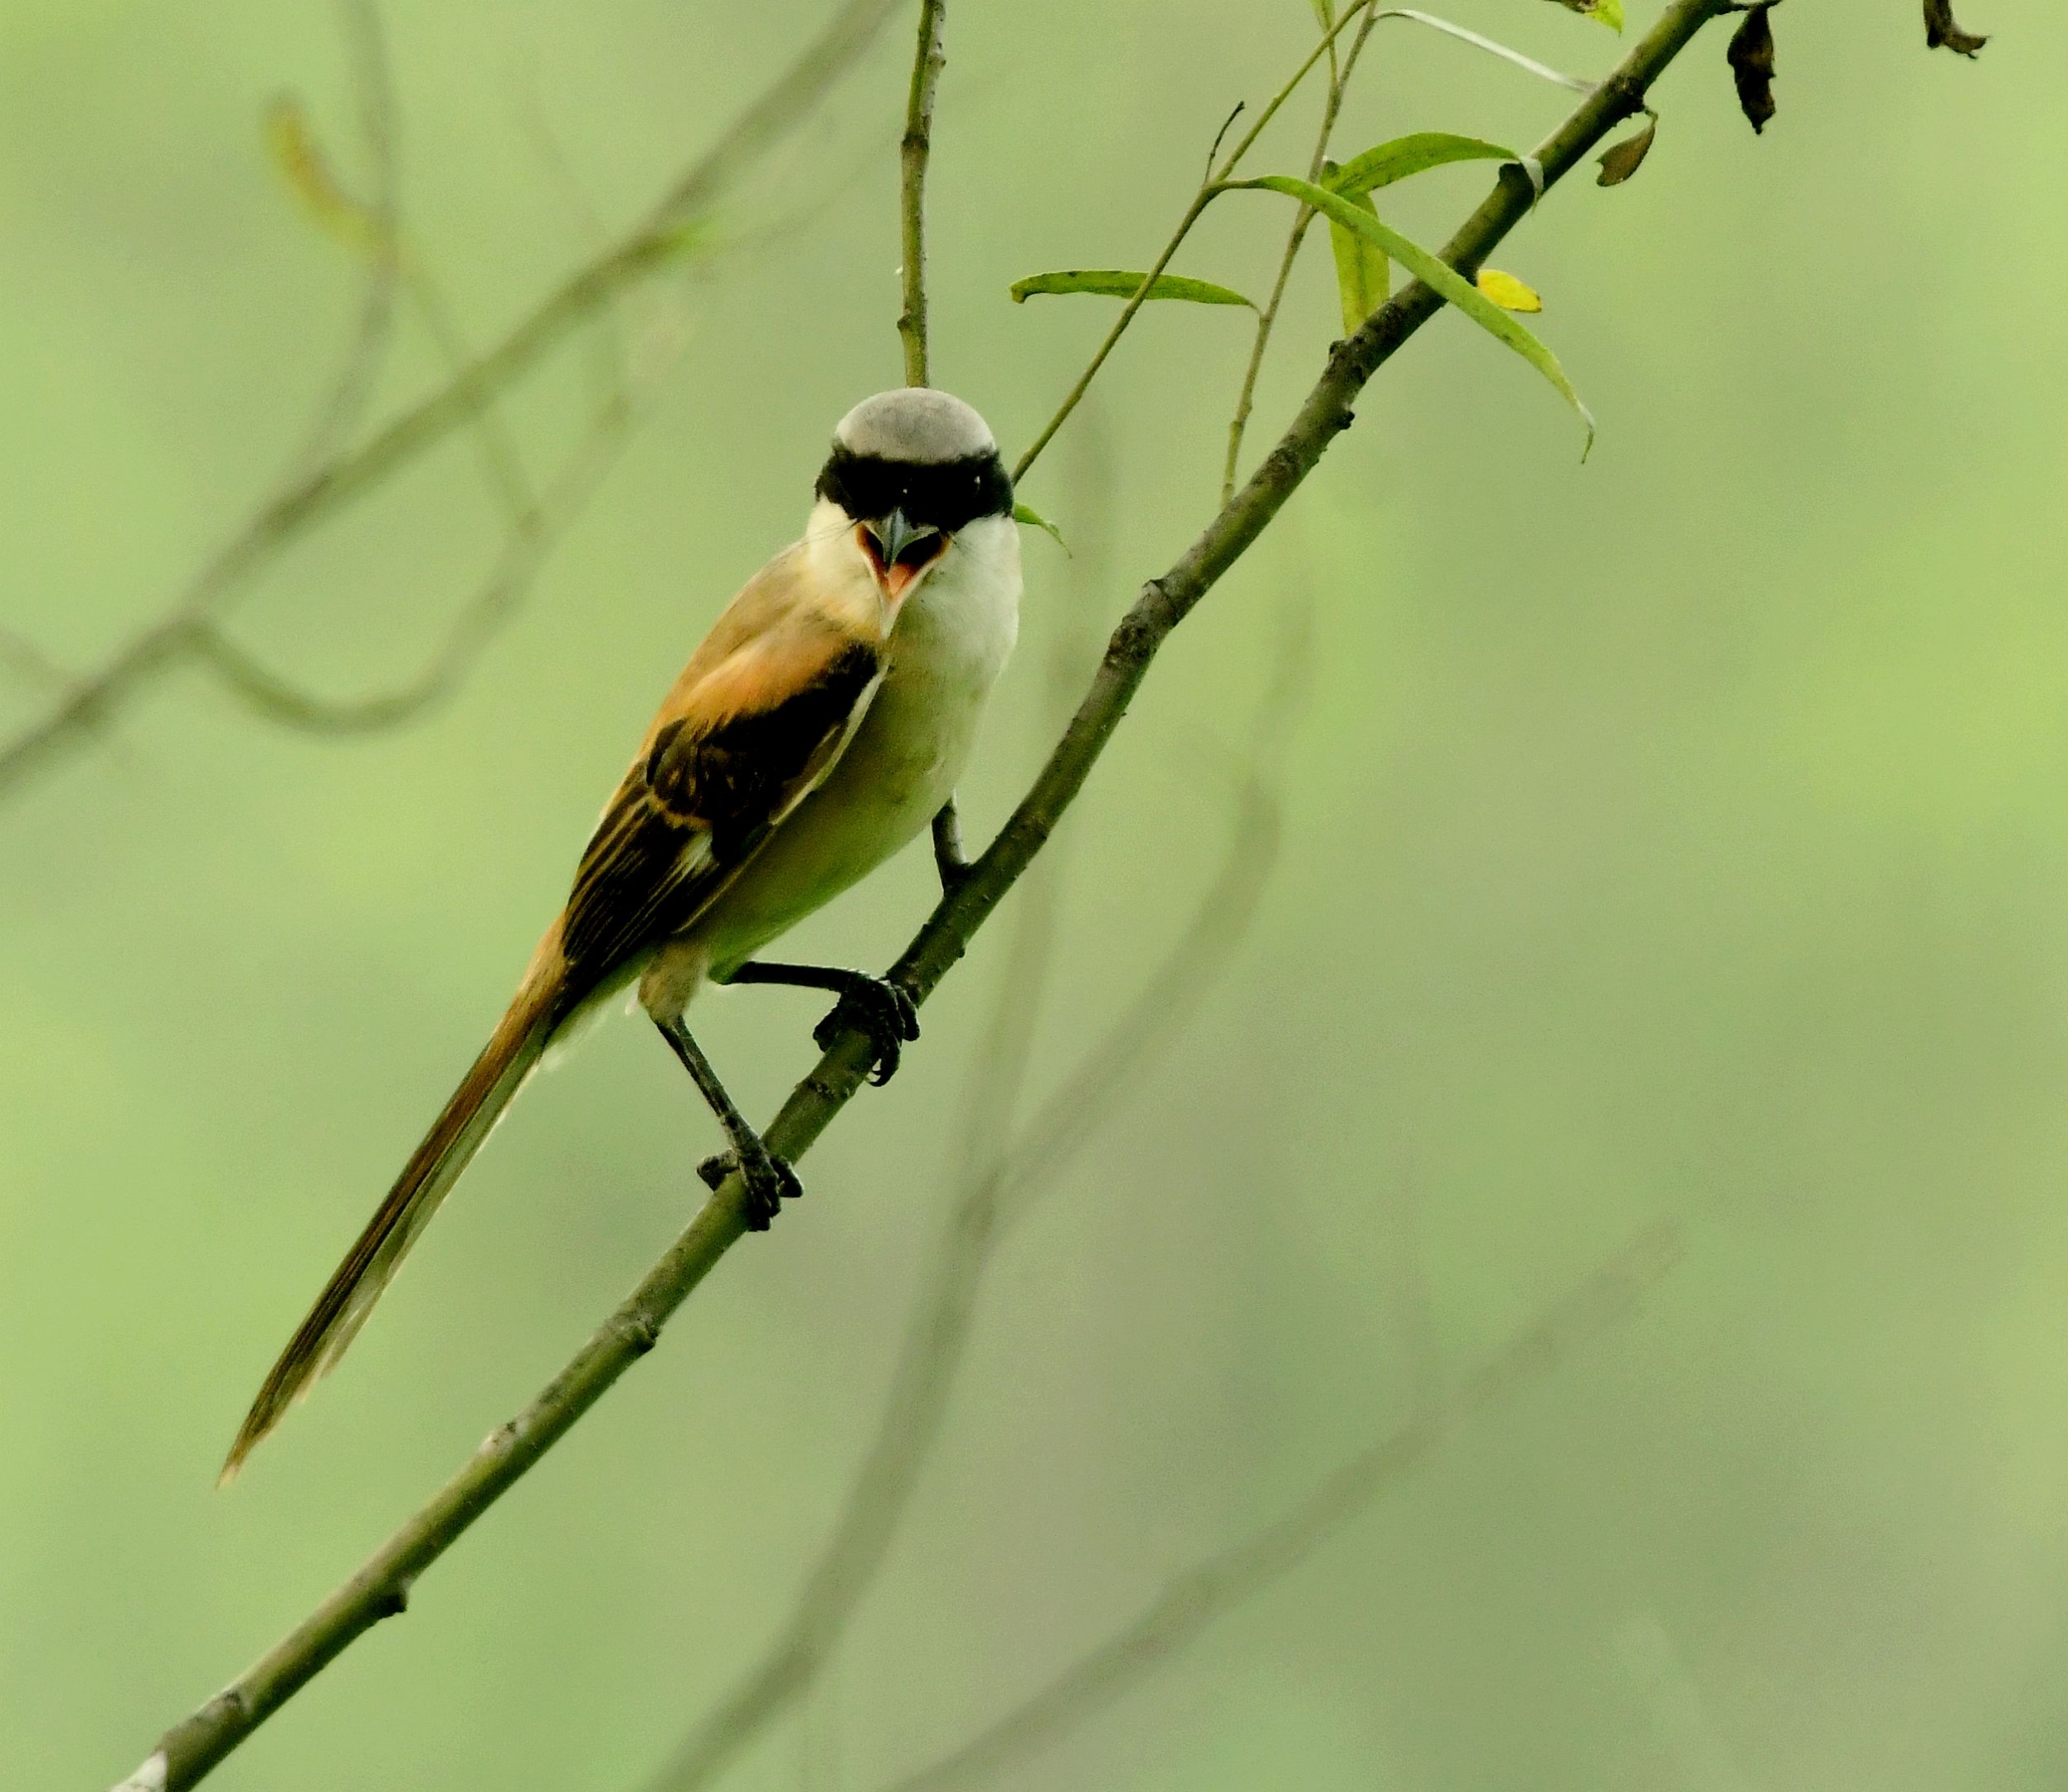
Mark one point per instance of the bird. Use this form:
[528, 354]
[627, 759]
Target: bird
[821, 726]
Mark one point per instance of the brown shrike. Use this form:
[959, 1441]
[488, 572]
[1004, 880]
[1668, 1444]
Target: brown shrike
[819, 728]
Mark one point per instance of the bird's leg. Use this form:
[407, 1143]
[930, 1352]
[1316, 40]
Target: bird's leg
[769, 1181]
[876, 1004]
[949, 858]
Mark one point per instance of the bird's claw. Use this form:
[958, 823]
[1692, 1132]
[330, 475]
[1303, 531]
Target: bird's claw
[770, 1182]
[878, 1007]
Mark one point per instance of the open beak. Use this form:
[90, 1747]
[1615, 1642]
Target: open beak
[898, 551]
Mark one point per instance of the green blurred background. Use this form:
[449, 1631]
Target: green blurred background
[1678, 834]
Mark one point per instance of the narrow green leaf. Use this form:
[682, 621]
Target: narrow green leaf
[1033, 518]
[1363, 275]
[1120, 283]
[1438, 274]
[1325, 11]
[1389, 162]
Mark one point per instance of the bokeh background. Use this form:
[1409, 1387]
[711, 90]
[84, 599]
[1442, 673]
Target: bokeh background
[1680, 836]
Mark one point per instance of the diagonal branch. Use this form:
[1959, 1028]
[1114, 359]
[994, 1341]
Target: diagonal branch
[1214, 1587]
[380, 1586]
[671, 227]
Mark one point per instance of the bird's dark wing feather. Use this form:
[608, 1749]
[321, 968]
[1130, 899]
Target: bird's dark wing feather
[694, 810]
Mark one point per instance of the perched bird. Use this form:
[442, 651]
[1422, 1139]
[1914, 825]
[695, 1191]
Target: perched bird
[821, 725]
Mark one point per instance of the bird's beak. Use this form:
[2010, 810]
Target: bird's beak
[899, 551]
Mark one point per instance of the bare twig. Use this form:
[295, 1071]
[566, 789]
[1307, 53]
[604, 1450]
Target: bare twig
[1339, 73]
[380, 1586]
[670, 229]
[913, 153]
[1209, 1591]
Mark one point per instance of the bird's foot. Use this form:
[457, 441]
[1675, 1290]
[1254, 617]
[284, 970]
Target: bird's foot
[770, 1182]
[879, 1008]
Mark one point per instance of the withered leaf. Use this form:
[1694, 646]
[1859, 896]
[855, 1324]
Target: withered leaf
[1619, 161]
[1751, 59]
[1943, 32]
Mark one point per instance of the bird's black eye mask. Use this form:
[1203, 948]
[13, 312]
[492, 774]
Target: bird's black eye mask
[945, 495]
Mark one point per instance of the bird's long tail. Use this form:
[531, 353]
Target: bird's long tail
[513, 1051]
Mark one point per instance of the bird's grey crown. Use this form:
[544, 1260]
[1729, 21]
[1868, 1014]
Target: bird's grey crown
[914, 424]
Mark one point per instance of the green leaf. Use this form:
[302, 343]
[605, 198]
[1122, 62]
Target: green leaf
[1033, 518]
[1363, 275]
[1120, 283]
[1609, 12]
[1439, 275]
[1389, 162]
[1325, 11]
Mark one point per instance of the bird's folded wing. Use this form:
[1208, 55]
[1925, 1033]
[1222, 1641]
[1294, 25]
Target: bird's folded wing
[728, 759]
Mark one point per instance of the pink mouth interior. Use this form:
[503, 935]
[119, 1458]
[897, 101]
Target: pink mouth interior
[896, 578]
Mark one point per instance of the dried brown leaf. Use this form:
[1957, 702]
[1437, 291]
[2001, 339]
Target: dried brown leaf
[1751, 59]
[1943, 32]
[1619, 161]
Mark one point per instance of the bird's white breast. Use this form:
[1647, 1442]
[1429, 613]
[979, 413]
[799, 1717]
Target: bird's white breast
[950, 641]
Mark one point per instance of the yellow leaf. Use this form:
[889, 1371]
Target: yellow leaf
[310, 178]
[1508, 292]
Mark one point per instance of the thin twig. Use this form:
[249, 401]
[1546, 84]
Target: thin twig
[914, 150]
[1209, 1591]
[1267, 319]
[1208, 190]
[669, 230]
[1216, 180]
[380, 1588]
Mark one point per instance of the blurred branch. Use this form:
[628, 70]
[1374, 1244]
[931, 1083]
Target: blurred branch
[1225, 1580]
[380, 1586]
[373, 88]
[672, 228]
[533, 536]
[377, 231]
